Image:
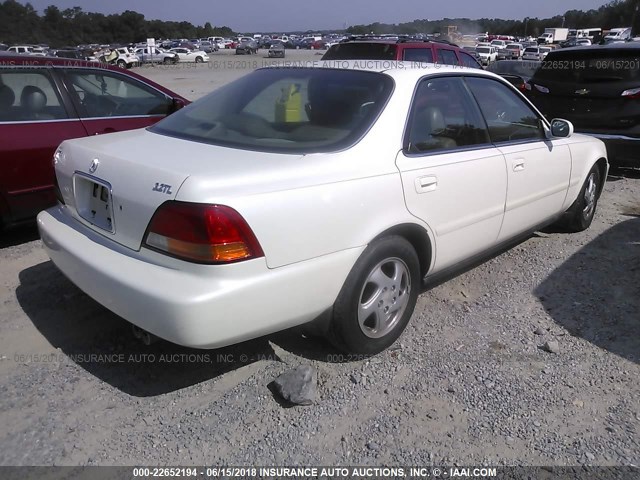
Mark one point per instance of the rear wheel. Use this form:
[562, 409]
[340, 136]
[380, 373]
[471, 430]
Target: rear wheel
[199, 59]
[122, 64]
[378, 297]
[580, 214]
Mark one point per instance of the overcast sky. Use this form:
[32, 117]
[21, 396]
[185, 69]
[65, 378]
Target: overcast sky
[288, 15]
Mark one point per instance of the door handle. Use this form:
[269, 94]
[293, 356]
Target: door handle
[426, 184]
[518, 165]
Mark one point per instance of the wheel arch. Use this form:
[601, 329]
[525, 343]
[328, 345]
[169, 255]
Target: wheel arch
[601, 163]
[419, 239]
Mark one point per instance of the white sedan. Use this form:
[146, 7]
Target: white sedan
[301, 194]
[186, 55]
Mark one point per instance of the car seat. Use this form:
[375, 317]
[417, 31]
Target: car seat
[33, 101]
[427, 131]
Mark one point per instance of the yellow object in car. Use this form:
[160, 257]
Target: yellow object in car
[289, 105]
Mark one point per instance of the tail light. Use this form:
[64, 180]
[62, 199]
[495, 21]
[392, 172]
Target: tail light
[202, 233]
[631, 93]
[58, 157]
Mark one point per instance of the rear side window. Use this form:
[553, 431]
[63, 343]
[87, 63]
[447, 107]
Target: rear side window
[507, 115]
[424, 55]
[447, 57]
[29, 96]
[444, 117]
[361, 51]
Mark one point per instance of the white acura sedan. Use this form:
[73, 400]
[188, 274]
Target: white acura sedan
[294, 194]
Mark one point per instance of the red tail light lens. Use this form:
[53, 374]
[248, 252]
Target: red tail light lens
[202, 233]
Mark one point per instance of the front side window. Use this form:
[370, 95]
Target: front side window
[29, 96]
[296, 110]
[444, 117]
[507, 115]
[106, 94]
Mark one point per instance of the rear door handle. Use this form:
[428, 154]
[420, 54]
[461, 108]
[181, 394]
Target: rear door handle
[518, 165]
[426, 184]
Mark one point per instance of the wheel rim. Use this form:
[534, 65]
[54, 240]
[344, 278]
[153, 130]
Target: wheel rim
[590, 196]
[384, 297]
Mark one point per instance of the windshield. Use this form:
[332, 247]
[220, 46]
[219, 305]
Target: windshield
[483, 50]
[289, 110]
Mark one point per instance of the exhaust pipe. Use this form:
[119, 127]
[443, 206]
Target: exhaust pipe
[144, 336]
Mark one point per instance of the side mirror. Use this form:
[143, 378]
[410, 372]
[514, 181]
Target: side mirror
[176, 104]
[561, 128]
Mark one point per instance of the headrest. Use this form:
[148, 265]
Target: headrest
[436, 119]
[33, 98]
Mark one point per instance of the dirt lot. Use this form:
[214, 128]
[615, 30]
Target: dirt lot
[467, 383]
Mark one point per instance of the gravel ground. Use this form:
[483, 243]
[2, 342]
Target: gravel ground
[466, 384]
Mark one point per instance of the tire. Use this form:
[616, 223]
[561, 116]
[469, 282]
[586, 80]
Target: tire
[199, 59]
[581, 213]
[121, 64]
[377, 299]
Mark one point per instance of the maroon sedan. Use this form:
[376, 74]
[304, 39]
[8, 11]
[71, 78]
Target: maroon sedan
[44, 101]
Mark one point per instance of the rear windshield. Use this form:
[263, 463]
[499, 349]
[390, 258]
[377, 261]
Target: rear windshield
[361, 51]
[531, 50]
[289, 110]
[589, 65]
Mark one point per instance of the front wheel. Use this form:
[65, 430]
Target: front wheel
[378, 297]
[122, 64]
[581, 213]
[199, 60]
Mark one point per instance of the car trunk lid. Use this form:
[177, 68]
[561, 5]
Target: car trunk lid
[114, 183]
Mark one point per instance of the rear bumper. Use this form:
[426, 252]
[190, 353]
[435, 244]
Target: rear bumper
[205, 307]
[622, 151]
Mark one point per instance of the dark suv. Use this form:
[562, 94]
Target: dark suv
[411, 50]
[598, 89]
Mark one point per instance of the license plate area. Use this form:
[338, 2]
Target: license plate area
[94, 201]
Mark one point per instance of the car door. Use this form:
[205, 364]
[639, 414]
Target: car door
[538, 167]
[453, 178]
[35, 118]
[109, 101]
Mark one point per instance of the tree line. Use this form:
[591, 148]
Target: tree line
[618, 13]
[72, 26]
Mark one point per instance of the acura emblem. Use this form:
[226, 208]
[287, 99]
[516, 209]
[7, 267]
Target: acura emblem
[94, 165]
[582, 91]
